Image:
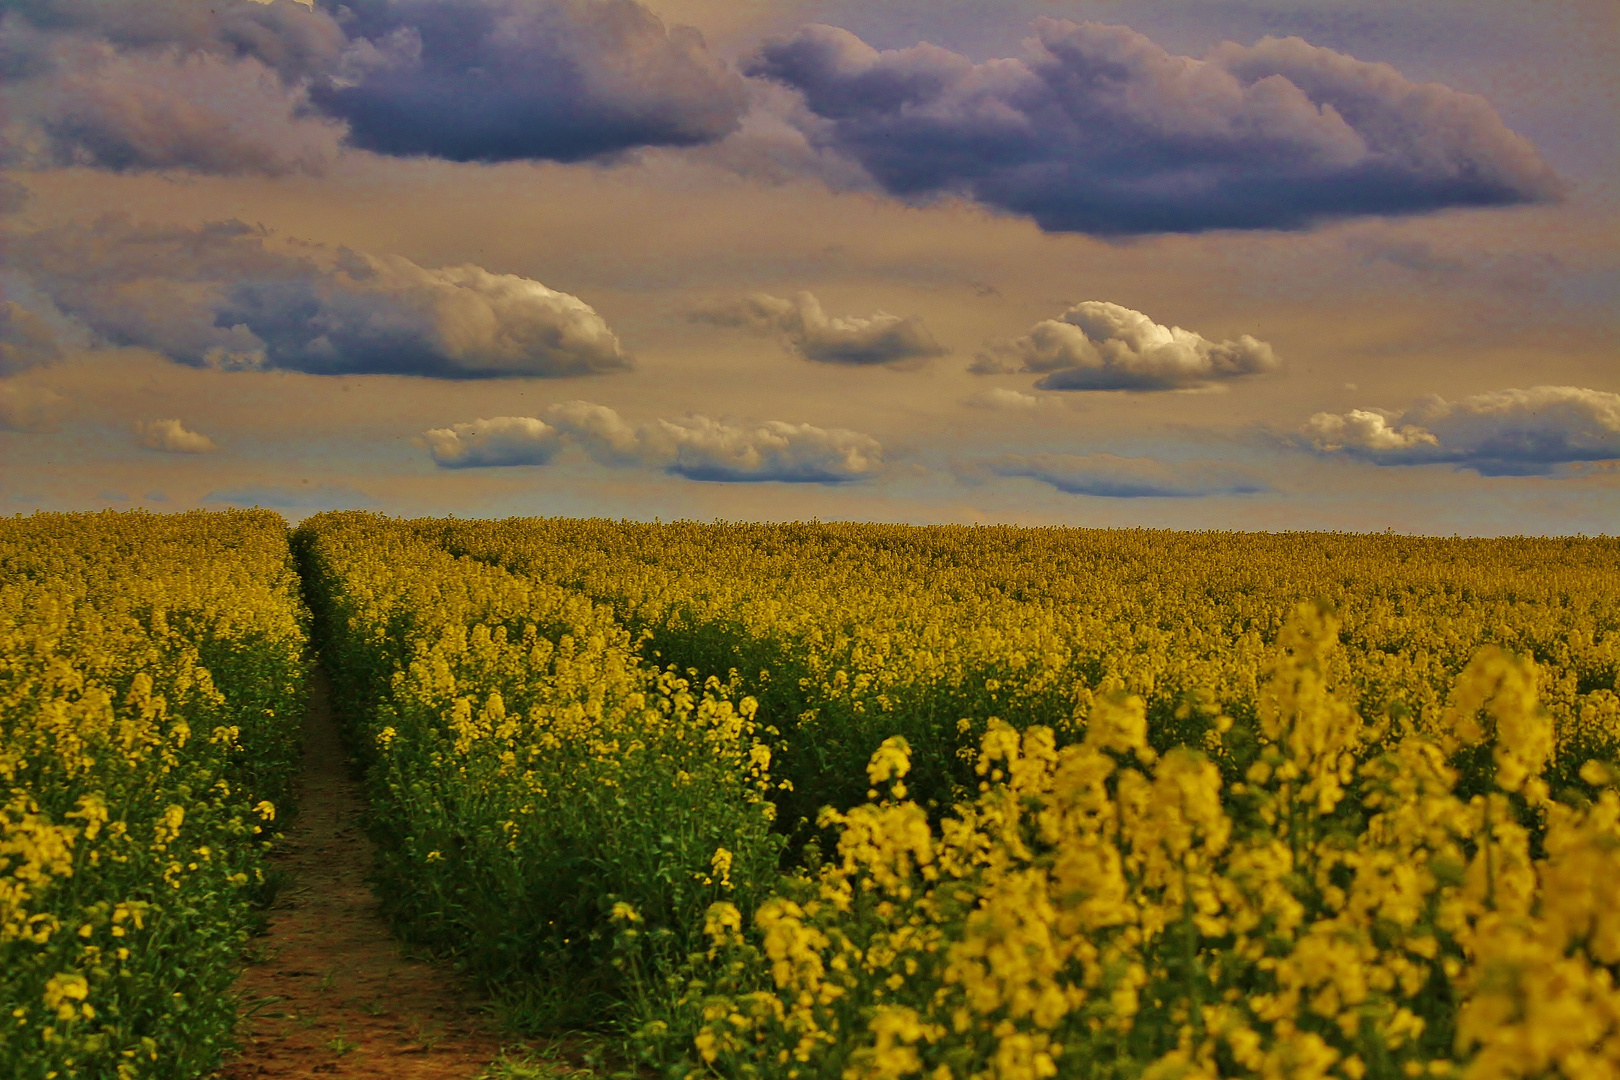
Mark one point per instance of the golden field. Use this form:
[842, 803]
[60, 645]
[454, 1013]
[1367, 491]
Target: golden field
[847, 801]
[151, 676]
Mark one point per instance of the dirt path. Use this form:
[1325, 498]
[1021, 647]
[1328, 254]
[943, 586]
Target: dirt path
[333, 995]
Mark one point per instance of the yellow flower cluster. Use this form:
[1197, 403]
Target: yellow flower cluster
[1101, 910]
[847, 634]
[552, 809]
[1105, 804]
[151, 674]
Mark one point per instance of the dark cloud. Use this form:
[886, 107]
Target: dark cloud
[34, 332]
[695, 447]
[133, 85]
[222, 295]
[290, 38]
[235, 86]
[497, 80]
[1099, 130]
[140, 112]
[155, 287]
[1111, 477]
[778, 141]
[1502, 433]
[808, 332]
[1097, 345]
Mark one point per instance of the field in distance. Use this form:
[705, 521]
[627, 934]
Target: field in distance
[834, 801]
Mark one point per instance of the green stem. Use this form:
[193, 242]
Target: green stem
[1490, 861]
[1195, 999]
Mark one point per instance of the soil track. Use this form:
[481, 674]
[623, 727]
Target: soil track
[332, 994]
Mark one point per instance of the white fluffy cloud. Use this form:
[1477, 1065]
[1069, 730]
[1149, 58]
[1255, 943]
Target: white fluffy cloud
[600, 431]
[696, 447]
[226, 295]
[808, 332]
[387, 315]
[1113, 477]
[1500, 433]
[1368, 432]
[703, 449]
[1096, 345]
[26, 407]
[501, 440]
[172, 437]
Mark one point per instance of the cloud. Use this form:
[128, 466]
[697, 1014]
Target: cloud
[1416, 255]
[807, 331]
[172, 437]
[699, 448]
[26, 339]
[1502, 433]
[498, 80]
[138, 113]
[302, 496]
[34, 332]
[1515, 272]
[291, 38]
[224, 295]
[599, 430]
[780, 141]
[1096, 345]
[386, 315]
[502, 440]
[696, 447]
[28, 408]
[1112, 477]
[1004, 399]
[155, 287]
[127, 86]
[1099, 130]
[236, 86]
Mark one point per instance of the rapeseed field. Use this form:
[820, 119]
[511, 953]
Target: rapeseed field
[1088, 804]
[840, 802]
[151, 678]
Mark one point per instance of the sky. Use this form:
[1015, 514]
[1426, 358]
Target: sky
[1195, 264]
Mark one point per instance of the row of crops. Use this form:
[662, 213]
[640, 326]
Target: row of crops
[880, 802]
[849, 802]
[848, 634]
[151, 679]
